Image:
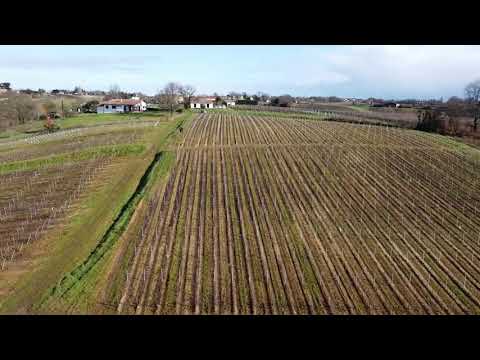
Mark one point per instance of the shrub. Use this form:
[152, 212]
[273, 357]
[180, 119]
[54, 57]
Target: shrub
[50, 125]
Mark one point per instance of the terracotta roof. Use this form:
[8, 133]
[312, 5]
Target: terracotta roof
[121, 102]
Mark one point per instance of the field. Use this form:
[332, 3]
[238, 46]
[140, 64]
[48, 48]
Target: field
[59, 194]
[243, 212]
[35, 128]
[278, 215]
[338, 113]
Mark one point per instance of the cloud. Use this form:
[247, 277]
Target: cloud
[403, 69]
[390, 71]
[77, 62]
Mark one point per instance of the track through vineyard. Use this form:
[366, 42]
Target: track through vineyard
[265, 215]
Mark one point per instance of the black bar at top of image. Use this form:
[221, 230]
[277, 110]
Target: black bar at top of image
[240, 23]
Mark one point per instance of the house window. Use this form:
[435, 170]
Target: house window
[114, 106]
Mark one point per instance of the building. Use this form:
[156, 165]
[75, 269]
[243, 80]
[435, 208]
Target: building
[230, 102]
[202, 103]
[4, 87]
[121, 106]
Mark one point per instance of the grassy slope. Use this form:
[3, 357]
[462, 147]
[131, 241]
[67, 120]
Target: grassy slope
[64, 249]
[81, 286]
[82, 120]
[101, 151]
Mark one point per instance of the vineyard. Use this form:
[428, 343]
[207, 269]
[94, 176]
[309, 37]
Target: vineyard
[278, 215]
[59, 193]
[343, 114]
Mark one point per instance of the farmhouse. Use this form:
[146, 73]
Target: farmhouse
[203, 103]
[210, 102]
[121, 106]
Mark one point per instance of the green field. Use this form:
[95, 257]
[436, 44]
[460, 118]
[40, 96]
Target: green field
[80, 121]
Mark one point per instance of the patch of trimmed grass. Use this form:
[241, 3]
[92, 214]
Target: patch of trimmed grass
[102, 151]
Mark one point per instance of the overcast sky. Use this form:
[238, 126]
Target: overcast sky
[346, 71]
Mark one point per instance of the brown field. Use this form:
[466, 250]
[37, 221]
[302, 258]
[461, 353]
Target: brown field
[264, 215]
[397, 118]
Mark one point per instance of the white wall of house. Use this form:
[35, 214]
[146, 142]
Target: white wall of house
[142, 106]
[109, 109]
[199, 106]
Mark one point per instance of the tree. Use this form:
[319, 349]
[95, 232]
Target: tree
[90, 106]
[428, 120]
[187, 91]
[49, 107]
[472, 95]
[5, 85]
[285, 100]
[234, 94]
[114, 92]
[454, 100]
[169, 94]
[454, 111]
[23, 107]
[262, 96]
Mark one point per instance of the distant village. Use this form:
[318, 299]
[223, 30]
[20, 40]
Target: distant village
[456, 116]
[120, 101]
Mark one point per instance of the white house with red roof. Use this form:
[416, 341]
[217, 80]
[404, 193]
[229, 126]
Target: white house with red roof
[121, 106]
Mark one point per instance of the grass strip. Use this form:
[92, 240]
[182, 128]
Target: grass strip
[70, 280]
[103, 151]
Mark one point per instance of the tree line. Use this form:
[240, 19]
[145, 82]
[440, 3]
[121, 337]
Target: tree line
[457, 117]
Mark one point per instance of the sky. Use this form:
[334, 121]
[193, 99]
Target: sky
[362, 71]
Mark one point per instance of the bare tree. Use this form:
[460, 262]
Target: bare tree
[78, 90]
[169, 96]
[262, 96]
[429, 120]
[187, 91]
[24, 108]
[472, 95]
[454, 100]
[234, 94]
[114, 92]
[7, 113]
[49, 107]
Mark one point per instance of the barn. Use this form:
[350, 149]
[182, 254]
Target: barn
[121, 106]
